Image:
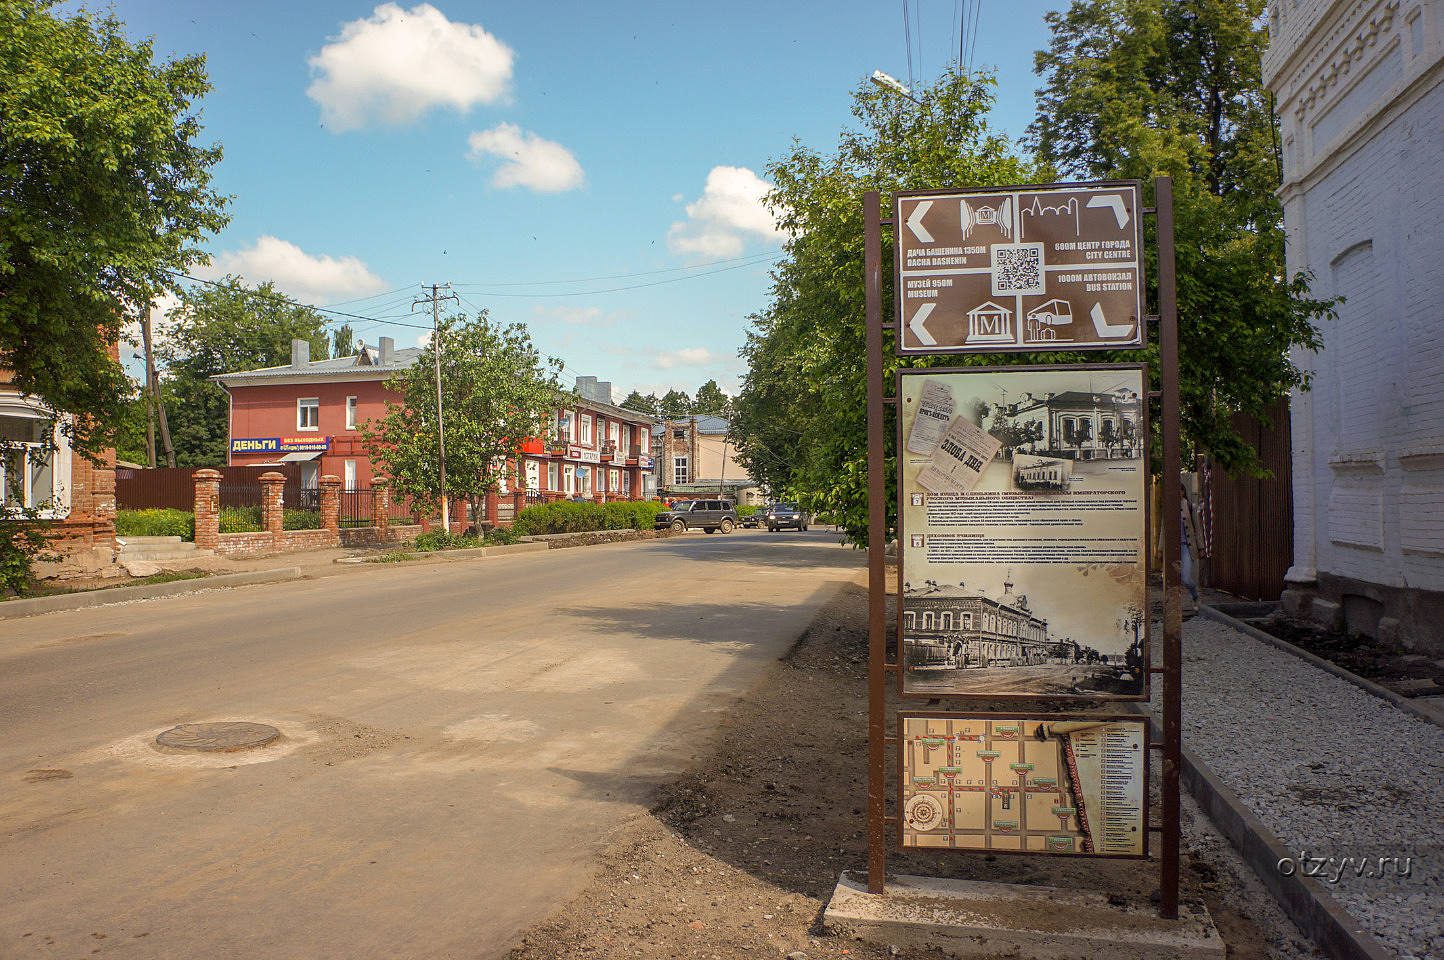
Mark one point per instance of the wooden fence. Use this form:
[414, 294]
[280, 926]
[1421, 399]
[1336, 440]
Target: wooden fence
[1253, 520]
[173, 488]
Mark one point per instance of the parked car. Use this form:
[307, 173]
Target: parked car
[754, 519]
[709, 515]
[781, 515]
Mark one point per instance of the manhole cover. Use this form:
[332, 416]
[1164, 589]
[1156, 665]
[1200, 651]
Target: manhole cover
[218, 737]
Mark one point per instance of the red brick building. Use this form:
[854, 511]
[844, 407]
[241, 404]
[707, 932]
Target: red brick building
[312, 412]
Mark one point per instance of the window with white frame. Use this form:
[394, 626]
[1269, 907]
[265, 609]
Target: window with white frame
[533, 476]
[349, 480]
[350, 413]
[627, 482]
[569, 477]
[624, 438]
[614, 481]
[552, 471]
[586, 436]
[584, 481]
[646, 441]
[308, 413]
[680, 471]
[34, 462]
[614, 432]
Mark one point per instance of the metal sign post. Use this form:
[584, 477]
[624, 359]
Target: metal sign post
[1027, 268]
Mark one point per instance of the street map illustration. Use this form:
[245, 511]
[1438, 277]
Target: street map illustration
[1041, 784]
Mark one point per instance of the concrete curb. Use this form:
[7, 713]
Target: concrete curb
[1368, 686]
[13, 609]
[468, 553]
[1317, 914]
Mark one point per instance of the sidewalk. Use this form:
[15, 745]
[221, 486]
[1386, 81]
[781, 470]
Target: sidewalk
[1331, 770]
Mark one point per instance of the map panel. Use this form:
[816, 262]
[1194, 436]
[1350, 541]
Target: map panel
[1053, 784]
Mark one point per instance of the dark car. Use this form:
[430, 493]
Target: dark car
[753, 519]
[781, 515]
[708, 515]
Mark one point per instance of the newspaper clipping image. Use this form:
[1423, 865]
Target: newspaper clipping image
[1024, 526]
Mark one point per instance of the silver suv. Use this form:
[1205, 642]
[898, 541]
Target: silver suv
[709, 515]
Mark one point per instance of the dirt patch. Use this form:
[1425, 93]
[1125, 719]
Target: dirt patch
[740, 854]
[1389, 665]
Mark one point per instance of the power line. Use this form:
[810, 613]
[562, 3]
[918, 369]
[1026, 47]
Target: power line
[633, 286]
[282, 298]
[751, 258]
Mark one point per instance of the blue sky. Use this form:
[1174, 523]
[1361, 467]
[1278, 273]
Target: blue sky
[539, 156]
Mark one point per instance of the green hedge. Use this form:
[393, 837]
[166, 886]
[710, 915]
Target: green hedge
[571, 517]
[747, 509]
[182, 523]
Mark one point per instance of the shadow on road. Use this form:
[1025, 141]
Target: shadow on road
[785, 548]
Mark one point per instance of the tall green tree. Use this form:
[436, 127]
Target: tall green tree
[343, 342]
[1143, 88]
[223, 328]
[497, 392]
[800, 419]
[642, 404]
[103, 192]
[675, 403]
[710, 399]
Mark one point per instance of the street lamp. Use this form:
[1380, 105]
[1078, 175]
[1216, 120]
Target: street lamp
[891, 84]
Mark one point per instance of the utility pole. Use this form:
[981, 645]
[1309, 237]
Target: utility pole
[435, 301]
[153, 406]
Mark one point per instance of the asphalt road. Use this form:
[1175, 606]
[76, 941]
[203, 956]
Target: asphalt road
[458, 741]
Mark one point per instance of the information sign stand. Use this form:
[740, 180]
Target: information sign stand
[1058, 248]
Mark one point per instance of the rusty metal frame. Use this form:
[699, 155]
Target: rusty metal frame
[1137, 718]
[1076, 701]
[877, 833]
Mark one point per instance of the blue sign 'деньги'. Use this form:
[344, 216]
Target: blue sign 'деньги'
[280, 444]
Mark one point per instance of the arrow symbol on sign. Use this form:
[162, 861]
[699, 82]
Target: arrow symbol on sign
[916, 324]
[1120, 213]
[915, 221]
[1106, 330]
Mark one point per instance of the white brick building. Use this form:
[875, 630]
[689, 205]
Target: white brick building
[1361, 105]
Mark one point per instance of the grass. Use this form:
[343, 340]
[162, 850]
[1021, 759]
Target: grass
[392, 556]
[45, 589]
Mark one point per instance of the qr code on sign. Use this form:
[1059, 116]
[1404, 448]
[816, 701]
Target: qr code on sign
[1018, 268]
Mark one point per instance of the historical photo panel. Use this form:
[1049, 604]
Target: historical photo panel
[1024, 523]
[1032, 784]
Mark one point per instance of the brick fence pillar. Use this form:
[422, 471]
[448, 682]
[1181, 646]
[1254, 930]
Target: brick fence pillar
[380, 503]
[273, 515]
[493, 507]
[331, 503]
[518, 501]
[207, 508]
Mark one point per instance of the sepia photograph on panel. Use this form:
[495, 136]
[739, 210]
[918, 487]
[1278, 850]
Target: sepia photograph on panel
[1023, 517]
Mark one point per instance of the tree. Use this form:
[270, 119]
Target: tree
[648, 404]
[343, 342]
[711, 400]
[103, 194]
[1141, 88]
[222, 328]
[675, 404]
[800, 418]
[497, 391]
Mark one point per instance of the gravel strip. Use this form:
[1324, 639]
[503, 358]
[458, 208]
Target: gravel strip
[1333, 771]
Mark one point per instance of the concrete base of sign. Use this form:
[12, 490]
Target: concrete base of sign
[965, 918]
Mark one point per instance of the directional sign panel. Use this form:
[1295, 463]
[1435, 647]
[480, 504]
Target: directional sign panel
[1031, 269]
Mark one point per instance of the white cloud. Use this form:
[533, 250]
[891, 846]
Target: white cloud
[296, 273]
[685, 357]
[729, 212]
[398, 64]
[527, 160]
